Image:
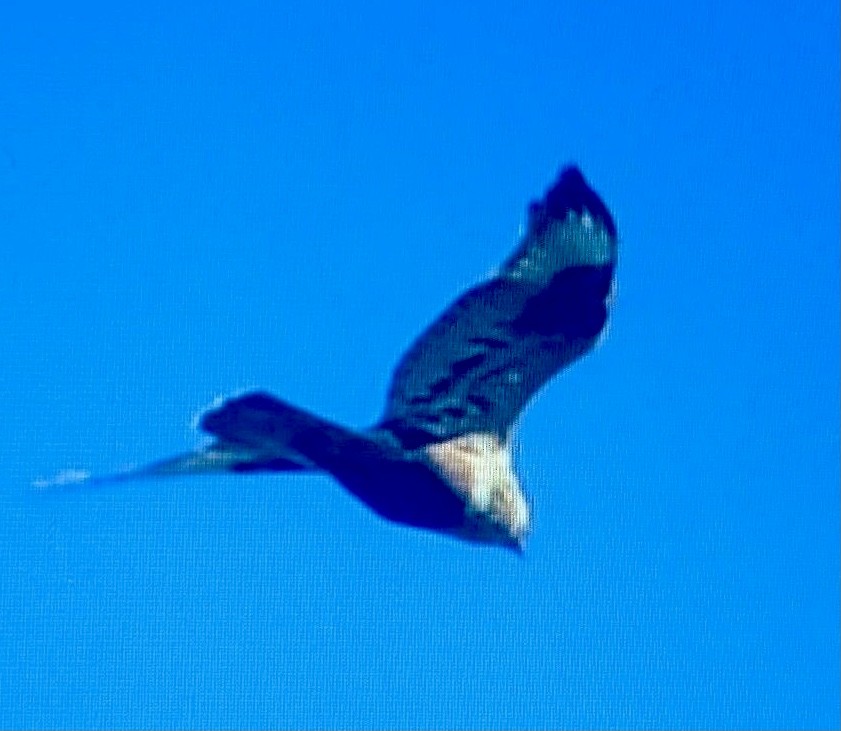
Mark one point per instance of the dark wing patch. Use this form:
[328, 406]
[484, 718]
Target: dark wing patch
[477, 366]
[283, 437]
[572, 305]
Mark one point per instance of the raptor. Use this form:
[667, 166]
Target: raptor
[439, 457]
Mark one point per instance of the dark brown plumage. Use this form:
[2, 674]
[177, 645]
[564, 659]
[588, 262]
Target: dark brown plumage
[439, 457]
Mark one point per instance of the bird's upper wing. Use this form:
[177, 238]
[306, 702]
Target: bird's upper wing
[478, 364]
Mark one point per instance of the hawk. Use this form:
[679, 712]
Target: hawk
[439, 458]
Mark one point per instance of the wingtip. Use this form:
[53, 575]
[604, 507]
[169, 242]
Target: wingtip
[202, 461]
[72, 480]
[570, 192]
[63, 479]
[572, 174]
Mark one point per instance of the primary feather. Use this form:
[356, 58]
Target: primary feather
[479, 363]
[440, 457]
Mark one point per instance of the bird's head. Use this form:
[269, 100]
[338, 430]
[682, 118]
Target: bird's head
[478, 468]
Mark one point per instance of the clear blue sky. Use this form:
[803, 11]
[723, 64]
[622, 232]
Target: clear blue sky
[198, 199]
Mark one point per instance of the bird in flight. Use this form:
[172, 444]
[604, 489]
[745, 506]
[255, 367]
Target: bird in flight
[439, 458]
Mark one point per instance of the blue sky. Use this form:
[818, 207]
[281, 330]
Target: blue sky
[198, 199]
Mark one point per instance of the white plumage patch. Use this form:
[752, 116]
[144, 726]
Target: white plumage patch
[478, 468]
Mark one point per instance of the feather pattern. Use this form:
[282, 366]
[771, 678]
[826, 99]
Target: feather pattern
[476, 367]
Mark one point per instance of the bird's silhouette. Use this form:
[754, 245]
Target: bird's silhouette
[439, 457]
